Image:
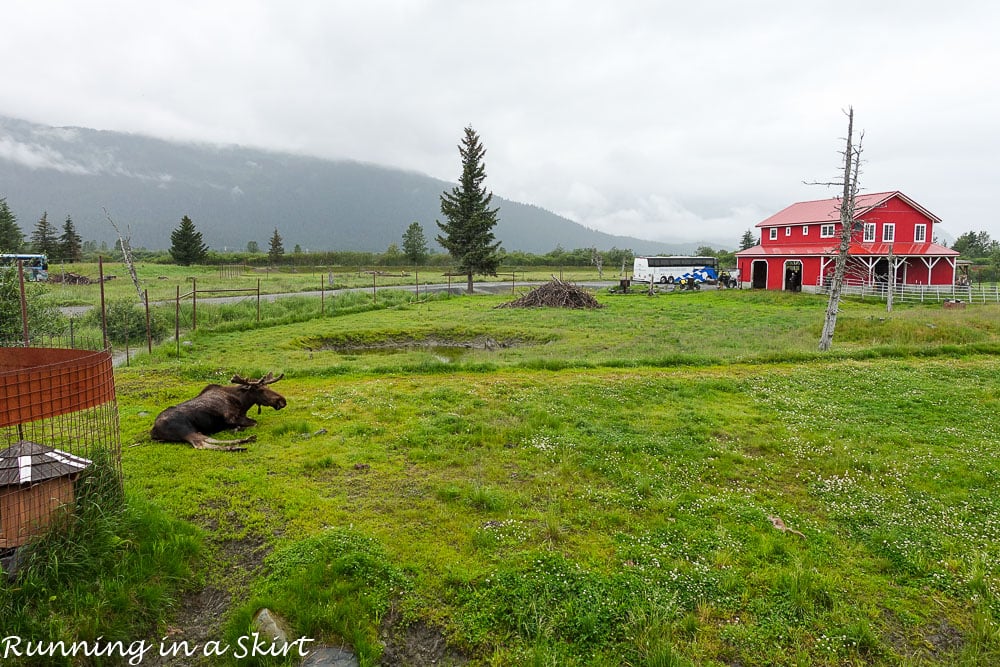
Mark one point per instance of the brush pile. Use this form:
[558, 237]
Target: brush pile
[555, 294]
[70, 278]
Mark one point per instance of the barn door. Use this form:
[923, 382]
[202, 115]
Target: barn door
[758, 277]
[793, 276]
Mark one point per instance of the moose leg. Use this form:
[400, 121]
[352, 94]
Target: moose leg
[201, 441]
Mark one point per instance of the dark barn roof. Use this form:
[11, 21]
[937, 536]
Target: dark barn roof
[29, 463]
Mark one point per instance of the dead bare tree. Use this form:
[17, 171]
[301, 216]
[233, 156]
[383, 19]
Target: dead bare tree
[125, 242]
[852, 167]
[597, 260]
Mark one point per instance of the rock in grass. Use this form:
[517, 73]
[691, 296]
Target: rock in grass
[330, 656]
[270, 626]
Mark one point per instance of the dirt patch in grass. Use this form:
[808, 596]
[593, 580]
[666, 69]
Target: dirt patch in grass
[416, 643]
[200, 614]
[935, 641]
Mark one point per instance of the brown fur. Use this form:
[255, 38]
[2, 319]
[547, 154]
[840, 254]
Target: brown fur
[217, 408]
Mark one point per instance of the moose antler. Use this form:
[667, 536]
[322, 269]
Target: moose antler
[266, 380]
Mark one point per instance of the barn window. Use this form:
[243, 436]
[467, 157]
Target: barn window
[774, 233]
[920, 233]
[888, 232]
[805, 230]
[788, 231]
[869, 232]
[826, 231]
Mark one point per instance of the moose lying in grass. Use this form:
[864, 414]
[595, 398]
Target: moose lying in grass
[215, 409]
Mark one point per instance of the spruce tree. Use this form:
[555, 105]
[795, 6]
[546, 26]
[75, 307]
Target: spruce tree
[468, 233]
[748, 240]
[276, 250]
[11, 236]
[414, 244]
[186, 246]
[70, 243]
[43, 238]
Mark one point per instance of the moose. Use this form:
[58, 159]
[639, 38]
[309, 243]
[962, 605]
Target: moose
[215, 409]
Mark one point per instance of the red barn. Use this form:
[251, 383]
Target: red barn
[798, 245]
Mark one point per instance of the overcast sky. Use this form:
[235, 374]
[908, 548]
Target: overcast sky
[670, 121]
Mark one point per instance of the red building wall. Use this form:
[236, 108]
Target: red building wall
[796, 240]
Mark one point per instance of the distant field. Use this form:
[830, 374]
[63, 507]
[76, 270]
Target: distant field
[511, 487]
[163, 280]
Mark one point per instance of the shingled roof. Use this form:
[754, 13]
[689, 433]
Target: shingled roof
[28, 462]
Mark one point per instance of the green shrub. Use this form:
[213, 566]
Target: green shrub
[126, 322]
[112, 570]
[44, 319]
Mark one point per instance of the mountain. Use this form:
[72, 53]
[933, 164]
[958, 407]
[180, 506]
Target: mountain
[235, 195]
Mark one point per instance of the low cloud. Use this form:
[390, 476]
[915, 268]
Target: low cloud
[661, 218]
[35, 156]
[39, 156]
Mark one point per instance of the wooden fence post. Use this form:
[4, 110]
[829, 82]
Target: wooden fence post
[149, 332]
[104, 311]
[177, 321]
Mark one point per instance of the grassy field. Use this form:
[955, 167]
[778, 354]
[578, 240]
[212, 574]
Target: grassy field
[163, 280]
[456, 482]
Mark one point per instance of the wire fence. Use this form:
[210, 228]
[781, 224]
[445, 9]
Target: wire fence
[59, 437]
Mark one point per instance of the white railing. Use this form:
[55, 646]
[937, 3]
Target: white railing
[981, 293]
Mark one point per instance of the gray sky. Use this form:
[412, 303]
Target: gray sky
[670, 121]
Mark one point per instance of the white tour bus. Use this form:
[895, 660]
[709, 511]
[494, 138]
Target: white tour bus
[36, 267]
[668, 269]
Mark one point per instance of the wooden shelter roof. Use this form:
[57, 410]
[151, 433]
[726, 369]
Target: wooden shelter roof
[28, 462]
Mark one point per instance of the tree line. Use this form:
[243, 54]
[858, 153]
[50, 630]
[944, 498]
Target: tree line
[44, 240]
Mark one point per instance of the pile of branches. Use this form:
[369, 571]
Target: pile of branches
[70, 278]
[555, 294]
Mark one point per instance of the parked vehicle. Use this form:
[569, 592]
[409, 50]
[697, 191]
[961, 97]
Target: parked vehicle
[670, 269]
[36, 267]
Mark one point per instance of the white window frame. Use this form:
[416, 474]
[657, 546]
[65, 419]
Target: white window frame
[888, 232]
[919, 233]
[788, 231]
[827, 231]
[805, 230]
[774, 233]
[869, 232]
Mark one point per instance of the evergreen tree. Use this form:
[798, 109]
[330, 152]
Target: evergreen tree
[748, 240]
[975, 245]
[252, 247]
[186, 246]
[414, 244]
[468, 233]
[276, 250]
[70, 243]
[11, 236]
[43, 238]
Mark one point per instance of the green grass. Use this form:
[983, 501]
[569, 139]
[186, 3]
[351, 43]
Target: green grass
[600, 491]
[112, 571]
[163, 281]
